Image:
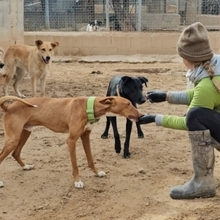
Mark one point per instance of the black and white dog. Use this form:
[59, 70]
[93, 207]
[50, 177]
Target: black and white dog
[130, 88]
[2, 53]
[94, 26]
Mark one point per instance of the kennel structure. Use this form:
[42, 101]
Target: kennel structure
[119, 15]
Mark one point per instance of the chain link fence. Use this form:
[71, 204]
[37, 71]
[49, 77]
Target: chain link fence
[119, 15]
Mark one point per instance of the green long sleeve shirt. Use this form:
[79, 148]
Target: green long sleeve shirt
[203, 95]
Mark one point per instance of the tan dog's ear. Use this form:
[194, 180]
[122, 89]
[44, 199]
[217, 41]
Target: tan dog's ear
[55, 44]
[38, 42]
[107, 100]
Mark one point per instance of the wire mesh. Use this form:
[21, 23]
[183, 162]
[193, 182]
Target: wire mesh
[119, 15]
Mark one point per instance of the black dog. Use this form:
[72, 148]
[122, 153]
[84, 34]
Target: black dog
[2, 52]
[131, 89]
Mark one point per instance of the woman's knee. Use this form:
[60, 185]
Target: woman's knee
[192, 119]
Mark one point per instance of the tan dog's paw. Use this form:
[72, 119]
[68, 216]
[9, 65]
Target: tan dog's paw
[79, 185]
[28, 167]
[101, 174]
[1, 184]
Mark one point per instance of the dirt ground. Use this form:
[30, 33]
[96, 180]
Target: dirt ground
[134, 189]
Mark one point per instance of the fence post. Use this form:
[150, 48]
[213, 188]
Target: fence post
[139, 15]
[14, 20]
[47, 15]
[107, 14]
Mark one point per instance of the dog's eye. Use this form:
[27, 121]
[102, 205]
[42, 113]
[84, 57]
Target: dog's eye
[50, 49]
[43, 49]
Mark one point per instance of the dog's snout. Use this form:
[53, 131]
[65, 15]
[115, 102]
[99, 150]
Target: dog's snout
[2, 65]
[48, 58]
[143, 100]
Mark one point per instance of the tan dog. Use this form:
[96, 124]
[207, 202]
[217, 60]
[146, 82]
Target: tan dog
[63, 115]
[34, 60]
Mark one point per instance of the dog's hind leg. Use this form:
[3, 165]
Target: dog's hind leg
[7, 149]
[9, 145]
[17, 152]
[139, 130]
[116, 135]
[9, 74]
[12, 143]
[105, 133]
[87, 148]
[20, 73]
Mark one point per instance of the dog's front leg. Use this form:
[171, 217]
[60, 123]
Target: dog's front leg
[42, 86]
[71, 141]
[105, 133]
[87, 148]
[33, 85]
[116, 135]
[127, 140]
[139, 130]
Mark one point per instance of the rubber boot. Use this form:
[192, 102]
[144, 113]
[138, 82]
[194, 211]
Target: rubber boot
[202, 183]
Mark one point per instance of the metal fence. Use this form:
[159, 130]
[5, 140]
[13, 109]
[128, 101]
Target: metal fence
[119, 15]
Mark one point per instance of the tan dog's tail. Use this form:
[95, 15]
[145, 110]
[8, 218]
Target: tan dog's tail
[14, 98]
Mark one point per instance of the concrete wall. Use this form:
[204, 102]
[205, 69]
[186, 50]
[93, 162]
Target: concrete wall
[11, 22]
[114, 43]
[210, 21]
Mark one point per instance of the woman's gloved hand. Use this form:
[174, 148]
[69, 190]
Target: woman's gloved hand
[156, 96]
[146, 119]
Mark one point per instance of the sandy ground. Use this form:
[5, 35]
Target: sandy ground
[134, 189]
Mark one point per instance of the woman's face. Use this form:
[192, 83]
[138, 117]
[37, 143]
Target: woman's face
[188, 64]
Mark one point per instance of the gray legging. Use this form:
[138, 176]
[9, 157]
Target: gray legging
[198, 119]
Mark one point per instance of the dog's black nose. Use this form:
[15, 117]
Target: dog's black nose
[1, 65]
[47, 58]
[142, 101]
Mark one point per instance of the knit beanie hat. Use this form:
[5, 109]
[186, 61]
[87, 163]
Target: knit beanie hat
[193, 44]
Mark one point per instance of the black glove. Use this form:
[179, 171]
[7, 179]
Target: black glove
[156, 96]
[146, 119]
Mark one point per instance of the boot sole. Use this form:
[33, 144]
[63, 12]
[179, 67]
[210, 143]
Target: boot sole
[194, 196]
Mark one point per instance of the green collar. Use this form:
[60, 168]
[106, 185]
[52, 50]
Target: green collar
[90, 110]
